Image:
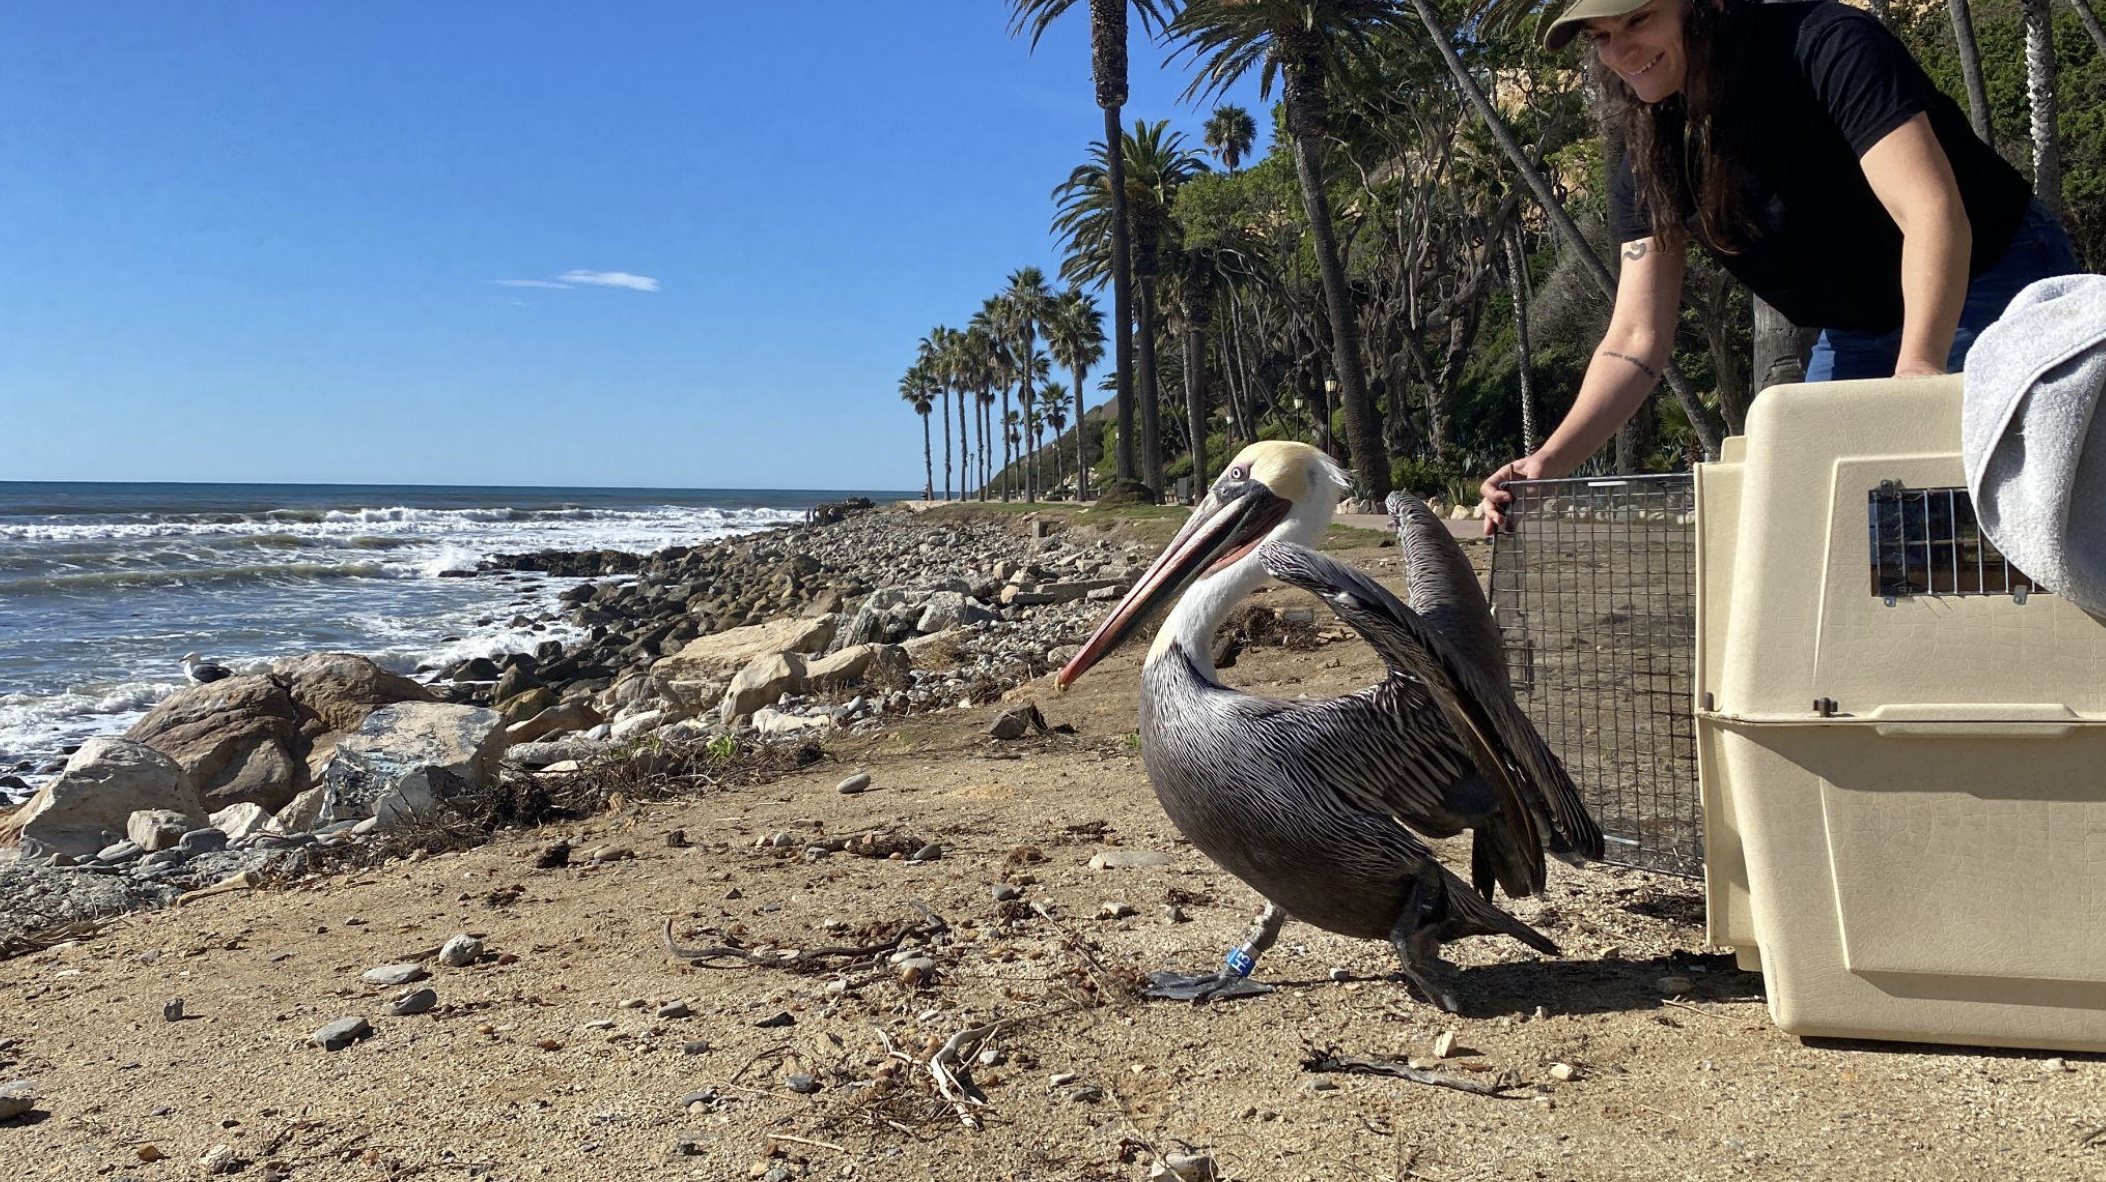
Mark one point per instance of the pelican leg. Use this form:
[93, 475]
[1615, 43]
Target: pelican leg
[1417, 937]
[1233, 978]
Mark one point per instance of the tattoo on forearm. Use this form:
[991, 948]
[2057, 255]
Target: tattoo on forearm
[1648, 370]
[1634, 250]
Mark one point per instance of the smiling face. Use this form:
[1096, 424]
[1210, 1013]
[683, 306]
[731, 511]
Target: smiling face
[1645, 47]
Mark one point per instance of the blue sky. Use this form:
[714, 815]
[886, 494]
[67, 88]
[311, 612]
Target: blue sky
[272, 234]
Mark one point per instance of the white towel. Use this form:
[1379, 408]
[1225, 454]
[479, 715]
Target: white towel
[2035, 451]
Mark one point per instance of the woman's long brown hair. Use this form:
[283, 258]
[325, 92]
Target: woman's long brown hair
[1684, 149]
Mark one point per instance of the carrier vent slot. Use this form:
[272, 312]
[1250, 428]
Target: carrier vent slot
[1926, 542]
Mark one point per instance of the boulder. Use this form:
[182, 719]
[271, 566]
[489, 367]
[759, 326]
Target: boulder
[851, 665]
[411, 759]
[948, 609]
[240, 820]
[764, 680]
[336, 691]
[302, 814]
[560, 719]
[525, 704]
[884, 616]
[775, 724]
[937, 648]
[238, 738]
[637, 723]
[87, 806]
[154, 830]
[697, 676]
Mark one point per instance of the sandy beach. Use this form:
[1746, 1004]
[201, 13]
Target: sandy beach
[575, 1045]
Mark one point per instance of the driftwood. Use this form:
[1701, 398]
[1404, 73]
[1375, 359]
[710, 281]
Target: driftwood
[803, 958]
[1329, 1060]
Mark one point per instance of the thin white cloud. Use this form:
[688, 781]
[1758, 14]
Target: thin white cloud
[530, 283]
[612, 279]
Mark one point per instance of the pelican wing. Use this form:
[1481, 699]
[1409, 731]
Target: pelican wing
[1533, 791]
[1441, 586]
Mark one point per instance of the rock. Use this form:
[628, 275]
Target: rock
[915, 969]
[803, 1085]
[950, 609]
[1186, 1167]
[220, 1159]
[850, 666]
[560, 719]
[413, 1001]
[172, 1010]
[88, 805]
[763, 680]
[784, 1018]
[515, 681]
[697, 676]
[475, 669]
[775, 724]
[341, 1033]
[202, 841]
[853, 785]
[123, 851]
[460, 951]
[1563, 1072]
[239, 738]
[16, 1098]
[927, 853]
[303, 814]
[1126, 859]
[1004, 892]
[1114, 910]
[552, 857]
[935, 649]
[412, 759]
[1017, 721]
[672, 1010]
[1444, 1044]
[154, 830]
[394, 974]
[241, 820]
[636, 724]
[526, 704]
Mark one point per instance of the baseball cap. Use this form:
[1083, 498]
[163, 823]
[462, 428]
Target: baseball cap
[1567, 26]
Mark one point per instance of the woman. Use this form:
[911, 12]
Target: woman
[1807, 152]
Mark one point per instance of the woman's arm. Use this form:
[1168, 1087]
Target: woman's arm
[1909, 173]
[1625, 369]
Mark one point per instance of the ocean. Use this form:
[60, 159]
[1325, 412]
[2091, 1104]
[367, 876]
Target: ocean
[104, 587]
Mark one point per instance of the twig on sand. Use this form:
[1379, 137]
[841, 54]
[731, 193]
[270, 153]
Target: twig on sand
[1691, 1007]
[1329, 1060]
[951, 1068]
[806, 1141]
[798, 959]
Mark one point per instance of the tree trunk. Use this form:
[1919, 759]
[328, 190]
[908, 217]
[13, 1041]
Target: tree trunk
[1195, 312]
[1024, 400]
[1363, 429]
[2091, 23]
[946, 444]
[1146, 392]
[1122, 295]
[928, 465]
[1516, 279]
[965, 436]
[1082, 463]
[2040, 93]
[1971, 70]
[1700, 420]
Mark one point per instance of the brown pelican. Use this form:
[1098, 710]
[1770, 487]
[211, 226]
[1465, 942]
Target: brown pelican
[1318, 805]
[200, 671]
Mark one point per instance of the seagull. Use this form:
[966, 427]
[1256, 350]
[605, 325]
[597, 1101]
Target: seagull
[200, 671]
[1322, 806]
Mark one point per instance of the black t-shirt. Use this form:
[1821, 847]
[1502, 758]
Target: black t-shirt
[1827, 82]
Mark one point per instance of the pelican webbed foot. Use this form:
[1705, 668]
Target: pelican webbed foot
[1418, 943]
[1232, 980]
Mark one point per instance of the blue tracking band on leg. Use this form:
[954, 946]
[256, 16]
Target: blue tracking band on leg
[1240, 961]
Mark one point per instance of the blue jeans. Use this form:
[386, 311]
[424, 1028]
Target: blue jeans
[2039, 248]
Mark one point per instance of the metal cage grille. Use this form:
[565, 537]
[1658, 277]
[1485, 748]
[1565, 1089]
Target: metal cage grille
[1594, 590]
[1926, 541]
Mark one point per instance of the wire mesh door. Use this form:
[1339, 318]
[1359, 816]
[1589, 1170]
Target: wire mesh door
[1594, 590]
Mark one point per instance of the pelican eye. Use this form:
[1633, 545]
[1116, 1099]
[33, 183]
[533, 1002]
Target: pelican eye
[1239, 472]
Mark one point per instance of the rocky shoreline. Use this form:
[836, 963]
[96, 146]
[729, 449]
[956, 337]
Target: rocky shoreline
[864, 615]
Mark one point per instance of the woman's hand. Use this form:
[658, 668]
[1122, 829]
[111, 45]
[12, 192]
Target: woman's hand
[1918, 369]
[1496, 498]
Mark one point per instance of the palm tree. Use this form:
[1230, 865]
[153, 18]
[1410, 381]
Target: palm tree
[1076, 337]
[930, 358]
[1308, 45]
[1157, 164]
[915, 388]
[2040, 96]
[1028, 303]
[1056, 417]
[1108, 65]
[2091, 22]
[1971, 70]
[978, 369]
[1230, 134]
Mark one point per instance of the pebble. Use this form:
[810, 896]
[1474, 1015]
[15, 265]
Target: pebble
[16, 1097]
[677, 839]
[460, 951]
[1320, 1085]
[632, 1003]
[1127, 859]
[149, 1152]
[1062, 1079]
[803, 1085]
[611, 853]
[552, 857]
[1444, 1044]
[690, 1145]
[1341, 973]
[1675, 986]
[1563, 1072]
[853, 784]
[1172, 913]
[341, 1033]
[413, 1001]
[698, 1047]
[707, 1097]
[600, 1024]
[394, 974]
[220, 1159]
[782, 1019]
[927, 853]
[172, 1010]
[674, 1009]
[916, 969]
[1005, 892]
[2055, 1065]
